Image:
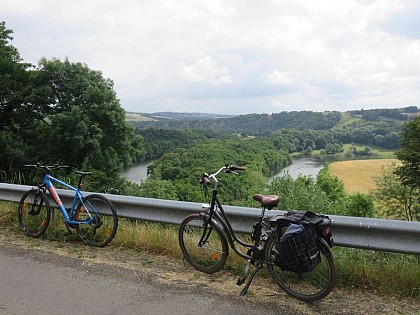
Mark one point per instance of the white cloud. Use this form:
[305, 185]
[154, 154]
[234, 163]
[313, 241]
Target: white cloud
[281, 78]
[206, 69]
[273, 55]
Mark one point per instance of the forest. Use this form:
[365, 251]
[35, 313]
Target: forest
[62, 112]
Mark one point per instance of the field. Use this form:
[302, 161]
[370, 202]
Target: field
[357, 176]
[136, 117]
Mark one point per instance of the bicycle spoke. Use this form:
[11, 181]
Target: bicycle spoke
[307, 286]
[34, 213]
[98, 219]
[204, 248]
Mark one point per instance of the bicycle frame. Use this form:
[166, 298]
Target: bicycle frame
[223, 220]
[216, 236]
[48, 183]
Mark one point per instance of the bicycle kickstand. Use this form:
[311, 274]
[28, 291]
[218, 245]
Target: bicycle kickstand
[245, 289]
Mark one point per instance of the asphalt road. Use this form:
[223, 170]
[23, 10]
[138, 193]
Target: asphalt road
[37, 282]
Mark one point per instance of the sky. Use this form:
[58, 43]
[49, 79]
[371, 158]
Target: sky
[232, 56]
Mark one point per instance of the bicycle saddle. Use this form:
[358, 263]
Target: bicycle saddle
[268, 201]
[83, 173]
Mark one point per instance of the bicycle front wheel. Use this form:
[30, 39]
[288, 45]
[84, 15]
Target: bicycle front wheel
[203, 245]
[308, 286]
[34, 213]
[101, 230]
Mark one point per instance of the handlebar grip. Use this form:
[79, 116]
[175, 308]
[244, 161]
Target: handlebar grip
[205, 179]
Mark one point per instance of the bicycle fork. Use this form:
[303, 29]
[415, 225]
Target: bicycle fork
[206, 231]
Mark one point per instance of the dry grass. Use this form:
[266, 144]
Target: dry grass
[137, 117]
[357, 176]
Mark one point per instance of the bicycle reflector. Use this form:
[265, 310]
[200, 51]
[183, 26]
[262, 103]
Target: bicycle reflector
[327, 235]
[326, 231]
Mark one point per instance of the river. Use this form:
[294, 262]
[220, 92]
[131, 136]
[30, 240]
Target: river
[300, 166]
[137, 173]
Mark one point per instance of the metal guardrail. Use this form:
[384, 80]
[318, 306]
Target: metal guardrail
[366, 233]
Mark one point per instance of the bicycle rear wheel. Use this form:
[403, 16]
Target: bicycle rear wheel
[102, 229]
[204, 247]
[308, 286]
[34, 213]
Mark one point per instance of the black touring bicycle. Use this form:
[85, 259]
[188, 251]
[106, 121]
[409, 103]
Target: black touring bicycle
[295, 247]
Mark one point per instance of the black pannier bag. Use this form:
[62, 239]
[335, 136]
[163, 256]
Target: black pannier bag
[297, 241]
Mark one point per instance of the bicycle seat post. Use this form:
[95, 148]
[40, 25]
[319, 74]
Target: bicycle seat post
[82, 175]
[80, 185]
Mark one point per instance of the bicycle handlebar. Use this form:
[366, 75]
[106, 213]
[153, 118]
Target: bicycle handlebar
[205, 179]
[48, 168]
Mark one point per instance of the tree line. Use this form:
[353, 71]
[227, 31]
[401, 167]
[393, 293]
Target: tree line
[363, 130]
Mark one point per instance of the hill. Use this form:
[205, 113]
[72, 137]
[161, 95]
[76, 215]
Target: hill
[251, 124]
[292, 131]
[264, 124]
[171, 117]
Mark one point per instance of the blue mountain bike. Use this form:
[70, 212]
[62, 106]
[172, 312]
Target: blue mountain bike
[93, 216]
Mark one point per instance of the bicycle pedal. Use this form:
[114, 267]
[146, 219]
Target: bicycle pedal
[241, 280]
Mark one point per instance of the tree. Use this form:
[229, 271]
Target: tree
[409, 154]
[84, 116]
[360, 205]
[397, 200]
[14, 82]
[304, 193]
[332, 148]
[411, 109]
[16, 111]
[366, 151]
[331, 185]
[68, 110]
[391, 140]
[309, 143]
[308, 151]
[160, 189]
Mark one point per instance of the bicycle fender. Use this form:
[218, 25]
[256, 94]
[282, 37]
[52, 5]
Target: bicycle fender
[215, 223]
[329, 252]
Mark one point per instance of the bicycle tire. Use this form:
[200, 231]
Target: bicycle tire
[209, 257]
[308, 286]
[104, 226]
[34, 213]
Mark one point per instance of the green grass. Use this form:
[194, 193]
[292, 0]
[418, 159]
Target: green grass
[386, 273]
[377, 153]
[346, 119]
